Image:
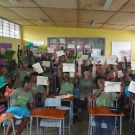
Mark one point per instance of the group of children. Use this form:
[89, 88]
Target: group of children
[86, 84]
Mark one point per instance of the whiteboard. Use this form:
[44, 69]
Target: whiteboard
[120, 46]
[37, 43]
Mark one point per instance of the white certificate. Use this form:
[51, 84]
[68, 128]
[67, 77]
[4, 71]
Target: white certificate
[60, 53]
[71, 74]
[42, 80]
[50, 50]
[124, 54]
[87, 46]
[46, 63]
[37, 67]
[120, 74]
[84, 57]
[71, 46]
[67, 67]
[34, 50]
[132, 87]
[111, 60]
[37, 55]
[102, 60]
[132, 65]
[112, 86]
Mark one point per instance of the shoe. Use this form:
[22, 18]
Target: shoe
[76, 118]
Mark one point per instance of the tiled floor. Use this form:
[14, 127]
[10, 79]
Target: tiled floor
[81, 128]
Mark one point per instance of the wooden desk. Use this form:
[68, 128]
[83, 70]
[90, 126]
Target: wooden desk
[70, 99]
[48, 113]
[9, 116]
[103, 111]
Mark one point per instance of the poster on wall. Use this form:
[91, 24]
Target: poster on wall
[121, 50]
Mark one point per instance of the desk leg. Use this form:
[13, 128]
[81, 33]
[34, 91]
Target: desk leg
[13, 126]
[30, 125]
[63, 126]
[115, 125]
[90, 125]
[37, 127]
[72, 112]
[120, 125]
[60, 126]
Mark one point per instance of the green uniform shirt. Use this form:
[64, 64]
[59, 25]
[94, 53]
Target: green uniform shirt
[71, 60]
[22, 75]
[37, 89]
[104, 99]
[21, 97]
[86, 85]
[31, 60]
[67, 87]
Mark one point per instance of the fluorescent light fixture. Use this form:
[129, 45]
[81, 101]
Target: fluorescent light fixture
[93, 23]
[40, 20]
[107, 4]
[14, 2]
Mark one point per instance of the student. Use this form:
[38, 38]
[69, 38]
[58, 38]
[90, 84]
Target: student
[31, 58]
[86, 83]
[104, 99]
[2, 103]
[24, 71]
[67, 87]
[23, 99]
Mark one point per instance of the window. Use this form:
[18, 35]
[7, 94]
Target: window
[9, 29]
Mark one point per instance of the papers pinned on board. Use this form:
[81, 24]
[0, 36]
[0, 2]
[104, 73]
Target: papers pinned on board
[60, 53]
[46, 63]
[42, 80]
[111, 60]
[132, 65]
[131, 87]
[84, 57]
[71, 46]
[87, 46]
[50, 50]
[71, 74]
[37, 67]
[112, 86]
[62, 41]
[37, 55]
[67, 67]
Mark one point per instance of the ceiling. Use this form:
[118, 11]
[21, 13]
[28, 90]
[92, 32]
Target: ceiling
[71, 13]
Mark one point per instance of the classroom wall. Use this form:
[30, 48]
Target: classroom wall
[14, 42]
[41, 34]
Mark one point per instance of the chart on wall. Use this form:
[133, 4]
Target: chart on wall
[122, 49]
[96, 43]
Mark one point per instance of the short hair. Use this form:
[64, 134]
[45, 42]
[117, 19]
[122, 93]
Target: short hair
[26, 80]
[34, 74]
[97, 78]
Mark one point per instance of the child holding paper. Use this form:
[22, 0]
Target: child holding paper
[104, 99]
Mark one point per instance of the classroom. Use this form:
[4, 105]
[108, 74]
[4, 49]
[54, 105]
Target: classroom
[67, 67]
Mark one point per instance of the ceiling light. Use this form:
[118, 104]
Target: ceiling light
[40, 20]
[107, 4]
[14, 2]
[93, 23]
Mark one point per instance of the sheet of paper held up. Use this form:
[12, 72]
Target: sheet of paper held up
[102, 60]
[84, 57]
[132, 65]
[120, 74]
[34, 50]
[131, 87]
[112, 86]
[37, 67]
[71, 74]
[37, 55]
[87, 46]
[111, 60]
[67, 67]
[46, 63]
[60, 53]
[50, 50]
[124, 54]
[71, 46]
[42, 80]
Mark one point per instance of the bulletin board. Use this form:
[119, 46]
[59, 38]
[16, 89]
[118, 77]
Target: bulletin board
[95, 42]
[122, 47]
